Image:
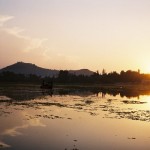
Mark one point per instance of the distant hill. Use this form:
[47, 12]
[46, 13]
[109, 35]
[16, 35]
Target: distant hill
[28, 68]
[81, 72]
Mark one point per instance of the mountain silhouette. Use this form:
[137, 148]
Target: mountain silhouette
[86, 72]
[28, 68]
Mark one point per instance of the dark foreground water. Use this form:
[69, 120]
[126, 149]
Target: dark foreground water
[73, 119]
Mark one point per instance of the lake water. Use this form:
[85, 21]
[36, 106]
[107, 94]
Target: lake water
[73, 119]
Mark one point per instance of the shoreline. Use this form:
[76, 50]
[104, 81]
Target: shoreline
[137, 86]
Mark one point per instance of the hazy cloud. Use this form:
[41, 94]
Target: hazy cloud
[5, 18]
[15, 46]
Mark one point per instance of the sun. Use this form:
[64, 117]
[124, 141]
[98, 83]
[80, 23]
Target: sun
[145, 66]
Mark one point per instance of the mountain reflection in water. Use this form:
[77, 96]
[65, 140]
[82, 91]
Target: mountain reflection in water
[29, 93]
[74, 118]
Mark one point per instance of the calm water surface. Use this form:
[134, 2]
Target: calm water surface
[73, 119]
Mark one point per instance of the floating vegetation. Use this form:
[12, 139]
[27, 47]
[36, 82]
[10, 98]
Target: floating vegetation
[141, 115]
[50, 116]
[5, 113]
[50, 104]
[133, 102]
[79, 104]
[132, 138]
[89, 102]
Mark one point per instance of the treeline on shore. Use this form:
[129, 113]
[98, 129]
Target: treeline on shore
[65, 77]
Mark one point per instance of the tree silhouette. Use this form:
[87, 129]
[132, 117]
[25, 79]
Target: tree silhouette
[65, 77]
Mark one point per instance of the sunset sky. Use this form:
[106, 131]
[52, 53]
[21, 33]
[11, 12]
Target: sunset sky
[75, 34]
